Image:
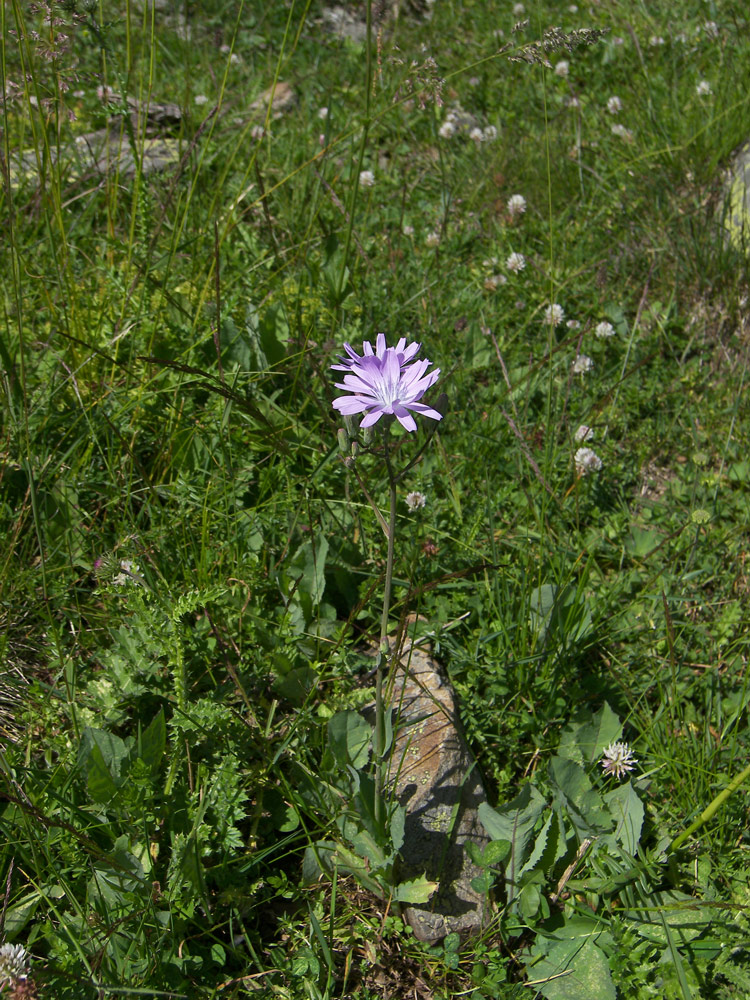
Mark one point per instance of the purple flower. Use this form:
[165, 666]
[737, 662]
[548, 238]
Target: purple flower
[404, 353]
[385, 381]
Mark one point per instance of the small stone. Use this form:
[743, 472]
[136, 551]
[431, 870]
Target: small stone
[438, 785]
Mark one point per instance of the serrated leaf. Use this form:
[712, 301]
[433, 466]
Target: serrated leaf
[536, 857]
[415, 892]
[627, 810]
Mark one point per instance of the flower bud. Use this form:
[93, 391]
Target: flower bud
[344, 441]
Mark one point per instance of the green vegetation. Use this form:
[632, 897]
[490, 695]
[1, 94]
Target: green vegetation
[190, 573]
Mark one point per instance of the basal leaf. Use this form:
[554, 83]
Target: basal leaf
[415, 892]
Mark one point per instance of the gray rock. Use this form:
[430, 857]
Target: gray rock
[436, 781]
[737, 203]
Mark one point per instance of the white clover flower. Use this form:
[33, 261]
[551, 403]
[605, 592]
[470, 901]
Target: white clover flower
[415, 500]
[225, 49]
[366, 179]
[584, 433]
[518, 9]
[200, 99]
[323, 113]
[573, 324]
[582, 364]
[477, 135]
[516, 262]
[655, 41]
[703, 88]
[554, 314]
[618, 40]
[586, 460]
[234, 59]
[493, 281]
[562, 68]
[614, 105]
[516, 205]
[618, 759]
[447, 130]
[106, 93]
[408, 230]
[711, 29]
[14, 964]
[603, 330]
[573, 8]
[257, 132]
[432, 239]
[621, 132]
[573, 102]
[490, 133]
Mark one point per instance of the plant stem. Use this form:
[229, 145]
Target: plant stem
[711, 808]
[383, 649]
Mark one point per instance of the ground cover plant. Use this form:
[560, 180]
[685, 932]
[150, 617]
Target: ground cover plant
[202, 203]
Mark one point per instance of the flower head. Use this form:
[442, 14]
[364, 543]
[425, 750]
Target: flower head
[366, 178]
[584, 433]
[582, 364]
[385, 380]
[618, 759]
[554, 314]
[604, 330]
[516, 262]
[14, 964]
[516, 205]
[432, 239]
[415, 500]
[621, 132]
[587, 460]
[562, 68]
[614, 104]
[447, 130]
[703, 88]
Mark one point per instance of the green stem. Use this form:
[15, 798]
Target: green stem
[383, 650]
[711, 808]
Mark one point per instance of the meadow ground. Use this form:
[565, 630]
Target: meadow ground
[190, 572]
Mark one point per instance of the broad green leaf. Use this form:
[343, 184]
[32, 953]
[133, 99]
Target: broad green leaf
[398, 818]
[102, 786]
[585, 741]
[683, 914]
[114, 751]
[541, 607]
[515, 823]
[308, 563]
[349, 736]
[415, 892]
[153, 741]
[588, 812]
[496, 852]
[627, 810]
[574, 970]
